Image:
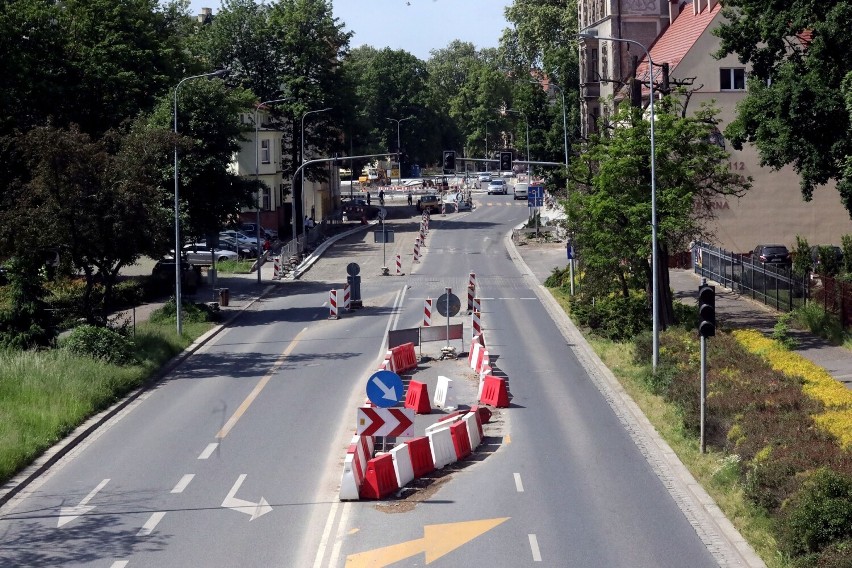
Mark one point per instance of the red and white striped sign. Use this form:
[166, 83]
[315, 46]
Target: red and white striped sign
[394, 422]
[427, 312]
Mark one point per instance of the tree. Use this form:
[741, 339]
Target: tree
[98, 200]
[794, 109]
[610, 206]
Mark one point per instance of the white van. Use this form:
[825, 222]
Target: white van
[521, 190]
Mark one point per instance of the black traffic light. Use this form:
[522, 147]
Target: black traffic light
[706, 311]
[505, 161]
[449, 161]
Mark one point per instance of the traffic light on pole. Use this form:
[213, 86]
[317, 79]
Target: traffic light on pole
[706, 311]
[505, 161]
[449, 161]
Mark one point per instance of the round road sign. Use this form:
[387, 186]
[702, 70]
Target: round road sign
[448, 309]
[352, 269]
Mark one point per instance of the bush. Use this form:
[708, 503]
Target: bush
[192, 313]
[613, 317]
[100, 343]
[821, 513]
[128, 293]
[819, 322]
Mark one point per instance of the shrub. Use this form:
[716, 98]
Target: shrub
[820, 322]
[802, 263]
[100, 343]
[192, 313]
[613, 317]
[781, 332]
[128, 293]
[820, 514]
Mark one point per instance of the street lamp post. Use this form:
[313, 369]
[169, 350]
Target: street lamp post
[178, 263]
[398, 155]
[302, 154]
[257, 173]
[592, 34]
[526, 120]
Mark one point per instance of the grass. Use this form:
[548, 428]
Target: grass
[234, 266]
[713, 470]
[44, 395]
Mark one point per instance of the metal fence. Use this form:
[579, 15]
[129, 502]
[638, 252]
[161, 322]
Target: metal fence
[835, 296]
[774, 285]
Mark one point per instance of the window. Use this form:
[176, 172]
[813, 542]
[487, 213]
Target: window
[732, 79]
[267, 199]
[264, 151]
[592, 69]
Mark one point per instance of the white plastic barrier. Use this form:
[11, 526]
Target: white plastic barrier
[473, 355]
[441, 425]
[402, 464]
[350, 483]
[472, 429]
[444, 396]
[441, 444]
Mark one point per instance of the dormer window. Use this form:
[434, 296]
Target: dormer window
[732, 79]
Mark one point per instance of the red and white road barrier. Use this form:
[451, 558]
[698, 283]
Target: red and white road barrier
[399, 265]
[476, 324]
[427, 312]
[346, 296]
[332, 305]
[417, 250]
[477, 305]
[471, 280]
[355, 467]
[276, 263]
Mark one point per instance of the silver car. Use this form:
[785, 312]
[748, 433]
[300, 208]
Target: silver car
[497, 186]
[199, 255]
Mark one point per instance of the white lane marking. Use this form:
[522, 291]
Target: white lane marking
[334, 559]
[534, 546]
[151, 523]
[208, 451]
[519, 485]
[68, 514]
[326, 533]
[182, 484]
[119, 564]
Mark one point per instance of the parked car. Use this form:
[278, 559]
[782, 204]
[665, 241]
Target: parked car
[430, 202]
[772, 254]
[485, 177]
[497, 187]
[199, 254]
[243, 251]
[241, 237]
[250, 230]
[358, 208]
[829, 250]
[521, 190]
[163, 276]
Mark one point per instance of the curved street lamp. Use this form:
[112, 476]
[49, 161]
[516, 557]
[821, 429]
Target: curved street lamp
[592, 34]
[257, 172]
[302, 154]
[178, 263]
[398, 155]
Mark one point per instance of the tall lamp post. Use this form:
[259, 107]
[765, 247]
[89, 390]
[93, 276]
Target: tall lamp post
[398, 155]
[302, 154]
[178, 263]
[257, 172]
[592, 34]
[526, 120]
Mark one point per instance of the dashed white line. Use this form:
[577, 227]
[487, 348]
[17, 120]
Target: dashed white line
[208, 451]
[151, 524]
[184, 481]
[120, 564]
[534, 546]
[519, 485]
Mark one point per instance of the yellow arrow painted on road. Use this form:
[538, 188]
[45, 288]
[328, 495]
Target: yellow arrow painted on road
[437, 541]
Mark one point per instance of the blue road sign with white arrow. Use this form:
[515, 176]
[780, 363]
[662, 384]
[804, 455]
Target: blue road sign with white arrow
[384, 389]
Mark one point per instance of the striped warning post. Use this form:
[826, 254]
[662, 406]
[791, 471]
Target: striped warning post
[276, 274]
[399, 265]
[417, 250]
[471, 292]
[346, 296]
[477, 305]
[471, 279]
[427, 312]
[476, 323]
[332, 305]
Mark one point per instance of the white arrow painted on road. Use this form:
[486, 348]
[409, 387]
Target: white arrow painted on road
[68, 514]
[255, 510]
[390, 393]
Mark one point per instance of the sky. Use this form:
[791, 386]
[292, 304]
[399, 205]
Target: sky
[417, 26]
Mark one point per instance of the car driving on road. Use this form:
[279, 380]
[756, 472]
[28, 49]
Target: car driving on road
[497, 187]
[431, 202]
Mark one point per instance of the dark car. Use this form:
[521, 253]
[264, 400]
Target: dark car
[771, 254]
[358, 208]
[431, 203]
[163, 276]
[831, 255]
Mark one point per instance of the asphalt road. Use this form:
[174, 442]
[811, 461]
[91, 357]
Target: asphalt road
[236, 458]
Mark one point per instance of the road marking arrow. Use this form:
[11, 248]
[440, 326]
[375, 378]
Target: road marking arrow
[68, 514]
[254, 510]
[437, 541]
[385, 421]
[389, 392]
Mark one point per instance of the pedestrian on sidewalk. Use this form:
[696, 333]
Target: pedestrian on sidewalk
[409, 197]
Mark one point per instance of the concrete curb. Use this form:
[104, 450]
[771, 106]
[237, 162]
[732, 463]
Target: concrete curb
[306, 264]
[722, 539]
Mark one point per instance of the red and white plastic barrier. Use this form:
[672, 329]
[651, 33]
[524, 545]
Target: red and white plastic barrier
[476, 324]
[333, 312]
[471, 291]
[417, 250]
[346, 296]
[477, 305]
[355, 467]
[399, 265]
[444, 395]
[276, 270]
[427, 312]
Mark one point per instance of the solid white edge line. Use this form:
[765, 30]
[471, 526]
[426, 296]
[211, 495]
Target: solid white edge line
[151, 523]
[536, 553]
[344, 519]
[208, 451]
[519, 485]
[183, 483]
[119, 564]
[326, 533]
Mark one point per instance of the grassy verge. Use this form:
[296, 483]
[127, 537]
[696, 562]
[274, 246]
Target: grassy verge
[234, 266]
[716, 472]
[44, 395]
